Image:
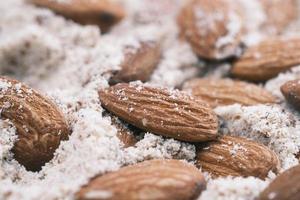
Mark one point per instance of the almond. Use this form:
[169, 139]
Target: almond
[165, 112]
[267, 59]
[276, 22]
[284, 187]
[138, 63]
[291, 92]
[213, 28]
[236, 156]
[125, 134]
[222, 92]
[103, 13]
[39, 123]
[151, 180]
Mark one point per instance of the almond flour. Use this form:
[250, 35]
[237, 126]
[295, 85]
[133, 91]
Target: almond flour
[70, 63]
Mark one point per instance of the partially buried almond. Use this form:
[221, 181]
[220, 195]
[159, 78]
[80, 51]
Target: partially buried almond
[213, 28]
[284, 187]
[165, 112]
[222, 92]
[151, 180]
[139, 63]
[267, 59]
[40, 124]
[291, 92]
[236, 156]
[124, 133]
[104, 13]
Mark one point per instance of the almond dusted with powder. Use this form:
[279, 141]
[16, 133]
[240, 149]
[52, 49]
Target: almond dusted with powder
[139, 63]
[104, 13]
[267, 59]
[39, 123]
[213, 28]
[222, 92]
[291, 92]
[151, 180]
[236, 156]
[284, 187]
[164, 112]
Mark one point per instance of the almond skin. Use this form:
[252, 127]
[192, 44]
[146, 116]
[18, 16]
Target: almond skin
[151, 180]
[103, 13]
[164, 112]
[222, 92]
[236, 156]
[39, 123]
[205, 25]
[138, 63]
[291, 92]
[284, 187]
[267, 59]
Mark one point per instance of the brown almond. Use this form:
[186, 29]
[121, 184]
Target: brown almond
[151, 180]
[165, 112]
[104, 13]
[138, 63]
[206, 26]
[267, 59]
[236, 156]
[284, 187]
[39, 123]
[291, 92]
[276, 21]
[222, 92]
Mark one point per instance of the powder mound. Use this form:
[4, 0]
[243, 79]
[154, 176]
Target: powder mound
[31, 52]
[233, 188]
[153, 146]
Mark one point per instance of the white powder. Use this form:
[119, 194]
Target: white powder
[254, 17]
[233, 189]
[153, 146]
[177, 65]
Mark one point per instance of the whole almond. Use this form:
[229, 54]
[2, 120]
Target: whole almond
[104, 13]
[39, 123]
[207, 26]
[151, 180]
[236, 156]
[267, 59]
[221, 92]
[165, 112]
[284, 187]
[291, 92]
[277, 22]
[138, 63]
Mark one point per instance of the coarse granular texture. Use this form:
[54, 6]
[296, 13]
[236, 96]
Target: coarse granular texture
[70, 63]
[233, 188]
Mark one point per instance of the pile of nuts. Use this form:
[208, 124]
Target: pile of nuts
[185, 114]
